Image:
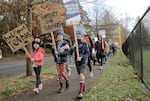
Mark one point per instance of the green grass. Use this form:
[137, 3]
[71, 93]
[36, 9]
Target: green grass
[146, 65]
[13, 85]
[118, 83]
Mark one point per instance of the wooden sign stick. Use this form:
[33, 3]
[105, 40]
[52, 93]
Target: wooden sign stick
[54, 43]
[76, 42]
[26, 51]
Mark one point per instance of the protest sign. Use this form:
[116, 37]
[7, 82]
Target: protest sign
[72, 12]
[18, 38]
[102, 33]
[50, 22]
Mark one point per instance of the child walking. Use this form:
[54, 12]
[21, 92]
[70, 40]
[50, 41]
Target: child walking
[37, 58]
[81, 61]
[61, 59]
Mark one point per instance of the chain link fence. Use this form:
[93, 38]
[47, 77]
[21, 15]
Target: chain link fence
[137, 48]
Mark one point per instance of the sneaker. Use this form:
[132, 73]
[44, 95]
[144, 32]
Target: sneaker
[61, 90]
[40, 86]
[80, 96]
[67, 84]
[36, 90]
[101, 68]
[91, 74]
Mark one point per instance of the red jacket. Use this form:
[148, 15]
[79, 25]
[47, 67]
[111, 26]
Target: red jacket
[38, 56]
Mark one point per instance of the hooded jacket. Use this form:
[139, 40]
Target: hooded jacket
[83, 52]
[38, 56]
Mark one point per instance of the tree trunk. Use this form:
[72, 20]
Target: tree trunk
[29, 47]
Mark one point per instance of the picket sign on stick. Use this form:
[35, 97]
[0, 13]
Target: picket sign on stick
[26, 51]
[53, 41]
[76, 42]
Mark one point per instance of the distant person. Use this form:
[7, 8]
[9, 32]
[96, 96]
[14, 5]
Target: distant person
[99, 47]
[37, 58]
[113, 49]
[81, 61]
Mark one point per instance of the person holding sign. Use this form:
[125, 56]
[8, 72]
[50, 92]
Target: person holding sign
[62, 48]
[82, 59]
[37, 58]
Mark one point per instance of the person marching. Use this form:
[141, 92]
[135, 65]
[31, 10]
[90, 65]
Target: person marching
[90, 45]
[37, 58]
[61, 59]
[81, 61]
[99, 47]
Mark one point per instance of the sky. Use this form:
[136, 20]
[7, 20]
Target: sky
[133, 8]
[123, 8]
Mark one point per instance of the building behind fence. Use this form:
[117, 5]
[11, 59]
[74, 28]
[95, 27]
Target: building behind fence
[137, 48]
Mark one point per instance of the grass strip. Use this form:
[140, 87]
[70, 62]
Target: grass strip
[11, 86]
[119, 82]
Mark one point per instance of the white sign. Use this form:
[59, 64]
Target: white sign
[72, 12]
[102, 33]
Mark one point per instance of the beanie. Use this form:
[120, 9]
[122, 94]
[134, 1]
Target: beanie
[80, 31]
[60, 31]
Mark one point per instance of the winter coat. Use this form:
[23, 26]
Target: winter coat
[61, 56]
[83, 52]
[38, 56]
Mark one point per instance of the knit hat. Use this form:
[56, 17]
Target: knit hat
[80, 31]
[37, 40]
[60, 31]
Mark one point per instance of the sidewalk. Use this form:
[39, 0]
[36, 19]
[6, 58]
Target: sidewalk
[50, 88]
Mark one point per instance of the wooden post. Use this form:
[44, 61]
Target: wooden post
[54, 43]
[76, 41]
[26, 51]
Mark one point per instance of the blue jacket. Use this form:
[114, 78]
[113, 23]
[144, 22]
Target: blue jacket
[62, 56]
[83, 52]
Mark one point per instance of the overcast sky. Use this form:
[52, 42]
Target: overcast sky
[121, 8]
[133, 8]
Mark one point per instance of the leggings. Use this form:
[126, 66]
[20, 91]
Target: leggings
[37, 71]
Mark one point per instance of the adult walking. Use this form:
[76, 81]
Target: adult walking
[99, 47]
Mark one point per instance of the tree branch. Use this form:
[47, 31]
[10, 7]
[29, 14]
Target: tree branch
[37, 3]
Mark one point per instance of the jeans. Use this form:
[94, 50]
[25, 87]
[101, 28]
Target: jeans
[67, 64]
[37, 71]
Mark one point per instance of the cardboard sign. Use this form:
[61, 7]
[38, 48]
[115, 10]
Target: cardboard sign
[18, 38]
[50, 22]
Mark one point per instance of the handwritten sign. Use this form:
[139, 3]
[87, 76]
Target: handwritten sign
[50, 22]
[18, 38]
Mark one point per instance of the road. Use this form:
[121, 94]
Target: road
[15, 67]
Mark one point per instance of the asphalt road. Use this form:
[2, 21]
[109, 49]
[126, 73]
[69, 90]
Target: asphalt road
[15, 67]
